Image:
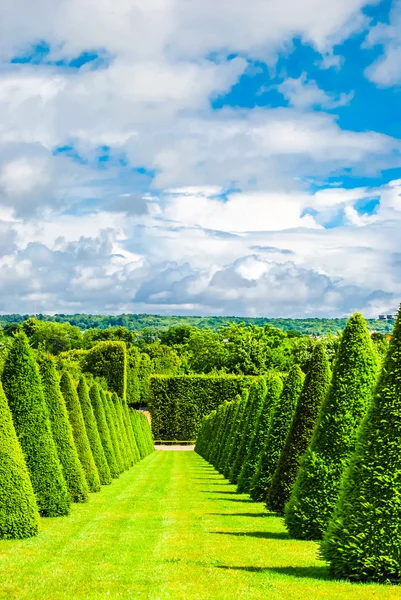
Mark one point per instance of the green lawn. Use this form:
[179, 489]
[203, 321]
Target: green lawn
[170, 528]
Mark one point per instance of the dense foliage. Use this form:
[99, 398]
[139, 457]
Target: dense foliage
[178, 404]
[317, 485]
[280, 423]
[62, 431]
[19, 517]
[313, 393]
[363, 540]
[23, 389]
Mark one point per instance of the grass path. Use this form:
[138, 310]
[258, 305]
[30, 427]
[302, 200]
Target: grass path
[170, 528]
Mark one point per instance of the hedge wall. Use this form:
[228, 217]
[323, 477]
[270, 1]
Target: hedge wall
[178, 404]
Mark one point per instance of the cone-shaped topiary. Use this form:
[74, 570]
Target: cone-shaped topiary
[363, 540]
[280, 423]
[313, 393]
[62, 433]
[117, 426]
[130, 435]
[147, 432]
[23, 389]
[93, 433]
[230, 434]
[222, 413]
[125, 449]
[79, 432]
[138, 433]
[103, 429]
[19, 516]
[274, 387]
[236, 436]
[257, 395]
[110, 417]
[232, 407]
[317, 484]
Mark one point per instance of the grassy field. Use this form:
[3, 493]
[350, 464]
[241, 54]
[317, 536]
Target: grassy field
[170, 528]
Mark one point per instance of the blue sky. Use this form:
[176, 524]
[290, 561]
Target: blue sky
[192, 158]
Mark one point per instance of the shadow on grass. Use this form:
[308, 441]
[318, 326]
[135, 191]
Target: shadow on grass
[257, 515]
[234, 493]
[229, 499]
[266, 535]
[299, 572]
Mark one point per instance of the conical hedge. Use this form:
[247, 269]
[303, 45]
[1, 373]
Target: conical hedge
[281, 419]
[147, 432]
[93, 433]
[23, 389]
[363, 540]
[256, 398]
[274, 387]
[230, 435]
[130, 435]
[235, 442]
[103, 428]
[138, 433]
[313, 393]
[79, 432]
[122, 434]
[316, 490]
[62, 433]
[232, 408]
[110, 417]
[19, 516]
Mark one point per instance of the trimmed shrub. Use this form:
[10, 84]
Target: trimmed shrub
[133, 376]
[363, 540]
[317, 485]
[280, 423]
[230, 435]
[19, 516]
[313, 393]
[123, 429]
[103, 429]
[108, 360]
[93, 433]
[257, 395]
[274, 387]
[231, 408]
[79, 432]
[112, 425]
[62, 433]
[23, 389]
[236, 435]
[119, 431]
[138, 433]
[222, 413]
[178, 404]
[147, 432]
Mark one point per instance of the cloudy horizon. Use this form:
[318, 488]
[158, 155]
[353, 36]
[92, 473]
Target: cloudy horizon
[207, 158]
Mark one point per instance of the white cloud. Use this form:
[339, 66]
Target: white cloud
[302, 93]
[386, 70]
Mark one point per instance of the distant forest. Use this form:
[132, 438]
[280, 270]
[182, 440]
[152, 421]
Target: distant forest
[138, 322]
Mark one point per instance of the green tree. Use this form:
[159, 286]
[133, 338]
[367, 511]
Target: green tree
[62, 433]
[280, 423]
[103, 429]
[110, 418]
[23, 389]
[363, 540]
[256, 398]
[19, 517]
[79, 432]
[236, 435]
[313, 393]
[93, 433]
[258, 434]
[316, 488]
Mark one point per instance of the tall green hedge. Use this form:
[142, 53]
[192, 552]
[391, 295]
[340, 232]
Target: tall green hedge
[232, 406]
[23, 389]
[316, 489]
[103, 428]
[109, 360]
[257, 396]
[363, 540]
[258, 434]
[112, 425]
[62, 433]
[93, 433]
[178, 404]
[147, 432]
[19, 516]
[235, 440]
[230, 433]
[281, 419]
[119, 432]
[313, 393]
[79, 432]
[123, 429]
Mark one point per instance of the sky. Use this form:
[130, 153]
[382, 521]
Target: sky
[229, 157]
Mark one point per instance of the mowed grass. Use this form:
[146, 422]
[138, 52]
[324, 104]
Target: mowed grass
[171, 527]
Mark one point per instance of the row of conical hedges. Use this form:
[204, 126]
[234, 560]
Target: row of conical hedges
[58, 441]
[325, 453]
